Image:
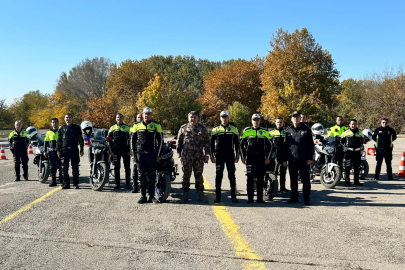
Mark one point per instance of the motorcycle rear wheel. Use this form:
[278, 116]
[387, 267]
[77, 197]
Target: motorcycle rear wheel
[43, 172]
[99, 178]
[163, 186]
[270, 186]
[330, 180]
[363, 169]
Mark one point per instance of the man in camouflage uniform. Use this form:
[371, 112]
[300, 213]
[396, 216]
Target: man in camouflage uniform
[192, 139]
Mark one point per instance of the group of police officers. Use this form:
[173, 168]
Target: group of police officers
[292, 147]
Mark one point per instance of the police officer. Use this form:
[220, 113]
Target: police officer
[146, 145]
[192, 139]
[383, 137]
[277, 136]
[135, 188]
[69, 137]
[225, 150]
[298, 152]
[19, 142]
[352, 140]
[51, 138]
[255, 146]
[336, 131]
[119, 148]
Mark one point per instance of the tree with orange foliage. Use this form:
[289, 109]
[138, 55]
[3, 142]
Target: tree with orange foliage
[239, 82]
[101, 112]
[124, 84]
[298, 75]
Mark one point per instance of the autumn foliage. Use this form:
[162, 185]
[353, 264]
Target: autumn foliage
[238, 82]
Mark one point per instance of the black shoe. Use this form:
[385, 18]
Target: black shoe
[117, 187]
[357, 184]
[17, 179]
[376, 179]
[76, 187]
[52, 184]
[284, 190]
[290, 201]
[249, 201]
[217, 200]
[152, 199]
[143, 199]
[65, 187]
[135, 189]
[25, 178]
[260, 201]
[390, 178]
[128, 186]
[347, 183]
[307, 203]
[234, 200]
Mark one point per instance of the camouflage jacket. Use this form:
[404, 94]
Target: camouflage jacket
[193, 139]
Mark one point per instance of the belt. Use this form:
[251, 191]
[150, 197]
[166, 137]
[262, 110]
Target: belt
[353, 149]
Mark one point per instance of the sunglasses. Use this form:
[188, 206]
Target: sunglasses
[256, 119]
[384, 122]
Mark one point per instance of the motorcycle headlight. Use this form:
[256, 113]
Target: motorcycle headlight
[41, 148]
[330, 149]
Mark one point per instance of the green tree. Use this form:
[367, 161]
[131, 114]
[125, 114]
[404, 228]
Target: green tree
[27, 106]
[5, 116]
[240, 115]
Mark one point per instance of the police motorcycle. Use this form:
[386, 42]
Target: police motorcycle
[39, 159]
[99, 156]
[166, 171]
[324, 164]
[364, 167]
[270, 185]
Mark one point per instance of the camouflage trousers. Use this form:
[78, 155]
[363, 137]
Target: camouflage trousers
[193, 163]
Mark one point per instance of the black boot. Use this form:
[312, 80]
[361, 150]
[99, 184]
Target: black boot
[143, 198]
[217, 195]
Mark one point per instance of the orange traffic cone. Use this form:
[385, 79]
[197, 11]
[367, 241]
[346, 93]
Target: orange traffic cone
[401, 172]
[2, 153]
[30, 151]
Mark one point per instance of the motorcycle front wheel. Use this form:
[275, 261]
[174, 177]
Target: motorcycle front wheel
[99, 178]
[330, 180]
[363, 169]
[163, 186]
[43, 172]
[270, 185]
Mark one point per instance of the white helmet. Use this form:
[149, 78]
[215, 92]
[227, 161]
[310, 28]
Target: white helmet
[32, 132]
[317, 129]
[367, 134]
[87, 128]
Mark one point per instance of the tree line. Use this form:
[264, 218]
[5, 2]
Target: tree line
[297, 74]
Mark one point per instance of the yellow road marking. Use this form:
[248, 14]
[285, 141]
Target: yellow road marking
[241, 246]
[25, 208]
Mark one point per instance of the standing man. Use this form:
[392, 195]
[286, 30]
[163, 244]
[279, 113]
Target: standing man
[135, 188]
[19, 142]
[146, 145]
[337, 131]
[383, 137]
[225, 150]
[50, 153]
[192, 139]
[277, 137]
[69, 137]
[352, 140]
[118, 138]
[255, 150]
[298, 152]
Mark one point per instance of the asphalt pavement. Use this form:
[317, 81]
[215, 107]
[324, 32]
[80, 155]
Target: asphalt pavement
[344, 228]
